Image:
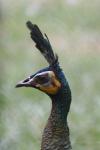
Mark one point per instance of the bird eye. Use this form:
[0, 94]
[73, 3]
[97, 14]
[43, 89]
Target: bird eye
[42, 79]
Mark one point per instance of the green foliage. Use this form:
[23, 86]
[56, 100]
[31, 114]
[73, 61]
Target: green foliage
[73, 27]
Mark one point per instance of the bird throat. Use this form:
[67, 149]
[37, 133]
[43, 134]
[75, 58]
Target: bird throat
[56, 132]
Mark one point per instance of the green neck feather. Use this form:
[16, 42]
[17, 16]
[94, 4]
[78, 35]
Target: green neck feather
[56, 132]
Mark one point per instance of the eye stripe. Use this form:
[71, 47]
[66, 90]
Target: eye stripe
[44, 77]
[49, 73]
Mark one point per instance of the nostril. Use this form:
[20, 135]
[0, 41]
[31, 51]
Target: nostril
[26, 80]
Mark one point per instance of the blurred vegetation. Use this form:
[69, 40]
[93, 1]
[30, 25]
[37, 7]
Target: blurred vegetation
[73, 27]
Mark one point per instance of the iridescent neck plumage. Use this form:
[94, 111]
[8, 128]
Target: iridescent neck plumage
[56, 132]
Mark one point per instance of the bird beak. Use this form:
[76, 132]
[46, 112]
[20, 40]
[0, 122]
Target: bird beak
[28, 82]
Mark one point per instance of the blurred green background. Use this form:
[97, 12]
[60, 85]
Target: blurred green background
[73, 27]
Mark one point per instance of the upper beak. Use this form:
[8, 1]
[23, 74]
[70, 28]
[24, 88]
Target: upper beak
[28, 82]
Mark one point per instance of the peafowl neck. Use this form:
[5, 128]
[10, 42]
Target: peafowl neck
[56, 132]
[60, 108]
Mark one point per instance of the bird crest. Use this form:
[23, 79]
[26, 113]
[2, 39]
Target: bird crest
[42, 43]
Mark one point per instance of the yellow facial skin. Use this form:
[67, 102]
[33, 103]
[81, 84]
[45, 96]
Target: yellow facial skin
[54, 85]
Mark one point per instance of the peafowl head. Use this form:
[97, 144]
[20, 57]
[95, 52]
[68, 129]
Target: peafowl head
[50, 79]
[44, 80]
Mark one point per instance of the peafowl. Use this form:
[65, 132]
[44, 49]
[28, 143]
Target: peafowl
[51, 80]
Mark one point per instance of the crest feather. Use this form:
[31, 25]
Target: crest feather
[42, 43]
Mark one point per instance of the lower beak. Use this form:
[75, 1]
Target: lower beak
[29, 82]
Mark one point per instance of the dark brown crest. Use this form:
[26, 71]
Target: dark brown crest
[42, 43]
